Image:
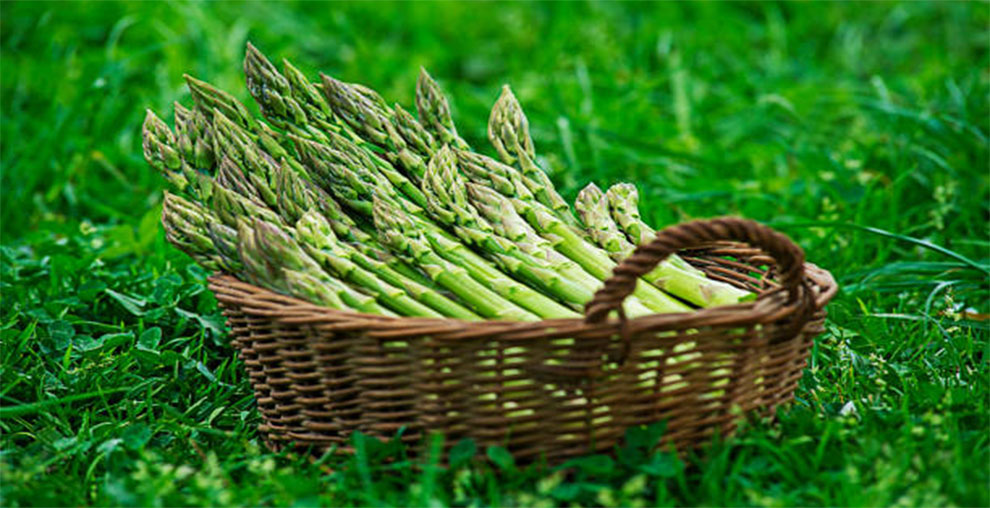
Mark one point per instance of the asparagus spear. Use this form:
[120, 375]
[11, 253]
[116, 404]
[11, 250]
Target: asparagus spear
[505, 222]
[257, 269]
[350, 263]
[623, 206]
[234, 143]
[161, 151]
[314, 287]
[565, 238]
[364, 165]
[194, 136]
[336, 258]
[208, 98]
[508, 131]
[508, 223]
[434, 111]
[394, 130]
[406, 239]
[573, 245]
[288, 99]
[184, 228]
[296, 196]
[280, 251]
[448, 203]
[598, 223]
[592, 205]
[488, 172]
[229, 206]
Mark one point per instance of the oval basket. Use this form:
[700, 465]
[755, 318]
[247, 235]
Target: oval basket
[551, 389]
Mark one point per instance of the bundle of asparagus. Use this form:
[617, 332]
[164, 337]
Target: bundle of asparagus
[339, 199]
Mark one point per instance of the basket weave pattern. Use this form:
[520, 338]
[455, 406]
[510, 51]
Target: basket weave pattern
[555, 388]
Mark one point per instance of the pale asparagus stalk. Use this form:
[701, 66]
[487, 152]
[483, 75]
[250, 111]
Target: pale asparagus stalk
[592, 206]
[623, 206]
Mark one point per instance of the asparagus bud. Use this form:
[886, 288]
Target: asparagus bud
[317, 238]
[230, 176]
[434, 111]
[593, 210]
[160, 151]
[623, 205]
[194, 136]
[281, 250]
[208, 98]
[184, 224]
[270, 89]
[508, 131]
[229, 206]
[360, 107]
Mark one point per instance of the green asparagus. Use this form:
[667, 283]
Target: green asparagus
[623, 206]
[508, 131]
[448, 202]
[434, 111]
[280, 250]
[338, 198]
[507, 223]
[349, 261]
[593, 207]
[406, 239]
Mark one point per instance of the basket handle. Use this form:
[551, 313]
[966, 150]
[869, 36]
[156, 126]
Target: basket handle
[789, 257]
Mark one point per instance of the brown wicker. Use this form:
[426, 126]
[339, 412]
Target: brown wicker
[554, 388]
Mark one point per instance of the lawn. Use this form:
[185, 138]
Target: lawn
[861, 130]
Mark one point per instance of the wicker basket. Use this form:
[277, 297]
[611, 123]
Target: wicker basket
[551, 389]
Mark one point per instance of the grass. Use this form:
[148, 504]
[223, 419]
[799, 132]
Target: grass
[861, 130]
